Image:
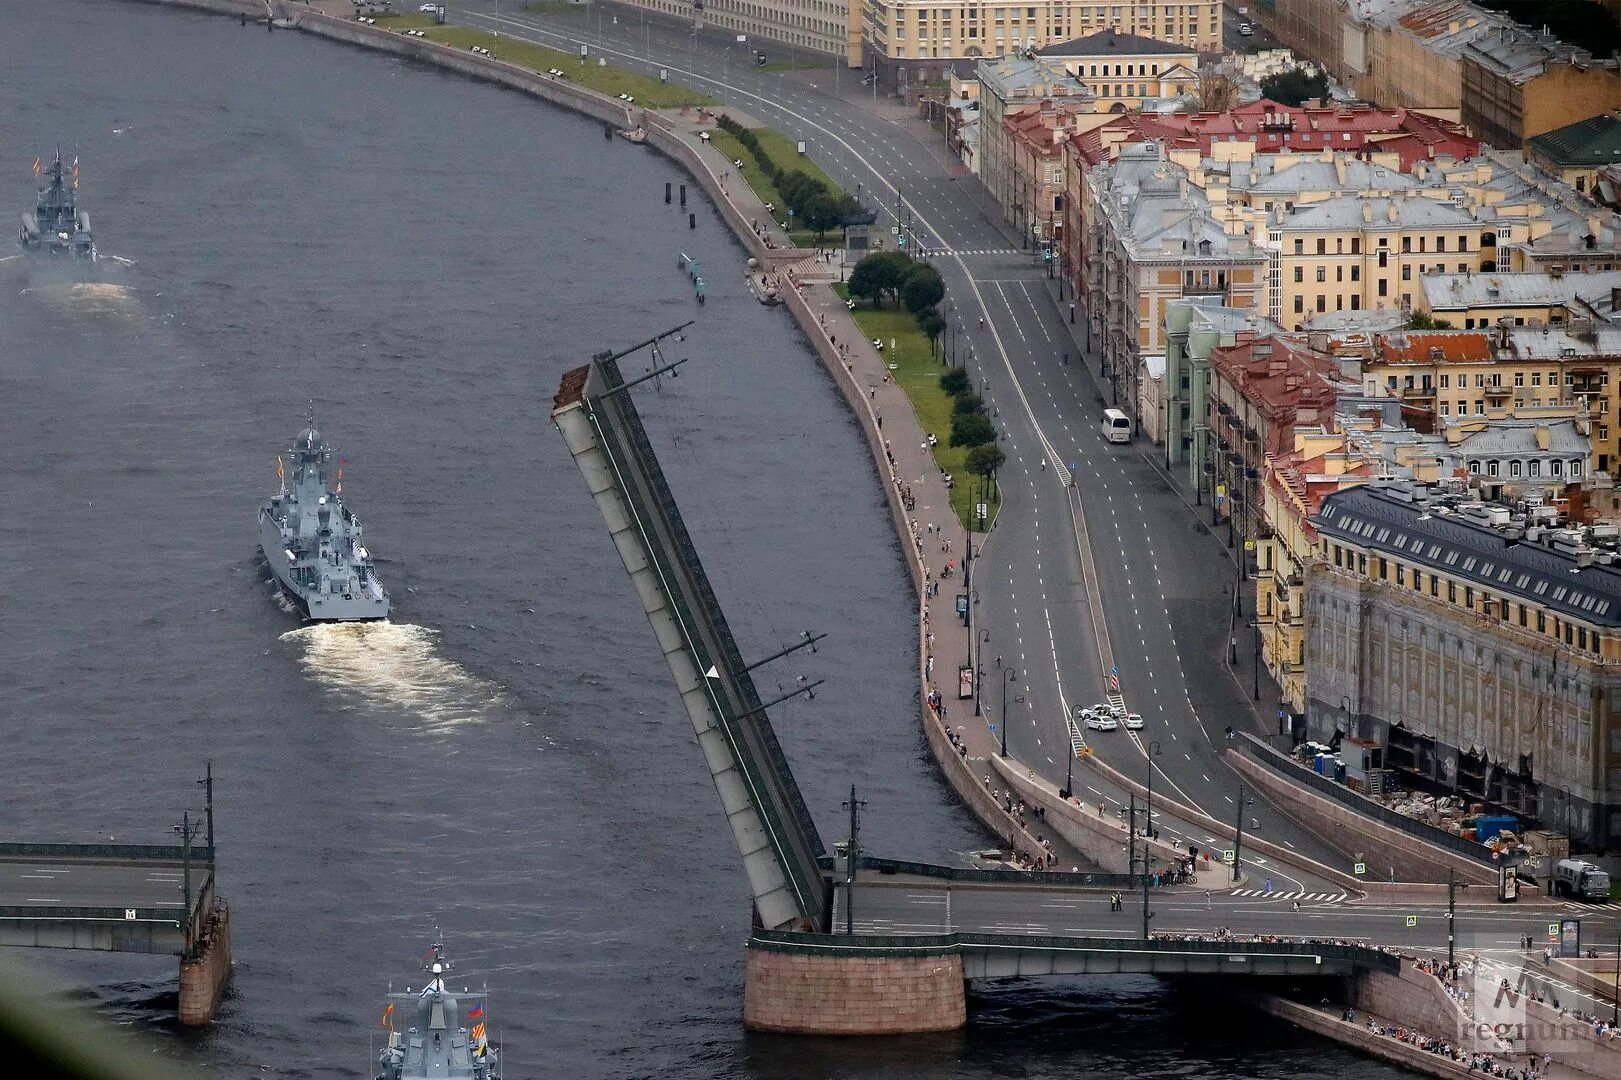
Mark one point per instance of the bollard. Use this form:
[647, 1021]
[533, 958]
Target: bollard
[683, 194]
[666, 193]
[244, 18]
[692, 221]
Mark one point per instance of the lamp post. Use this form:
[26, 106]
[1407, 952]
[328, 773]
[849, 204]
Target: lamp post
[1148, 810]
[1615, 998]
[1238, 842]
[984, 637]
[1012, 677]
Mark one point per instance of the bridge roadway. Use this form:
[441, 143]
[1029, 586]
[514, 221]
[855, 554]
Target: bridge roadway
[84, 883]
[1061, 609]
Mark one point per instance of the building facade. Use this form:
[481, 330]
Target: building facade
[1517, 85]
[1124, 70]
[914, 40]
[1483, 654]
[1009, 86]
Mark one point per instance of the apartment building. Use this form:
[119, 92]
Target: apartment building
[1475, 373]
[1517, 85]
[823, 26]
[915, 40]
[1194, 327]
[1477, 643]
[1008, 86]
[1151, 239]
[1470, 301]
[1576, 153]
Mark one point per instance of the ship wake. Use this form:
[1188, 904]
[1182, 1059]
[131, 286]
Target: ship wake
[396, 668]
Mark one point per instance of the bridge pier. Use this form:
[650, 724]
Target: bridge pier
[810, 990]
[205, 971]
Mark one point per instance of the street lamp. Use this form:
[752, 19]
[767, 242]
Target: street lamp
[1238, 842]
[1148, 811]
[984, 637]
[1012, 677]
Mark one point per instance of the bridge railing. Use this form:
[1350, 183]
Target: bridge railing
[967, 874]
[36, 913]
[779, 801]
[1361, 804]
[927, 944]
[203, 856]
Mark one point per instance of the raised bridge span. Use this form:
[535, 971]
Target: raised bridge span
[912, 933]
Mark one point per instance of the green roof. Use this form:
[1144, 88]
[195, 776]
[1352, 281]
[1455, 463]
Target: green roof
[1594, 141]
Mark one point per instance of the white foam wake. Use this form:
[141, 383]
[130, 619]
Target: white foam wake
[396, 667]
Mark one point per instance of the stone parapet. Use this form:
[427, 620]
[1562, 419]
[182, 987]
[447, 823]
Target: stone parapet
[205, 974]
[807, 992]
[1381, 846]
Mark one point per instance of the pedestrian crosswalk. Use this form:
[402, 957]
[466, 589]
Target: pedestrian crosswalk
[1315, 897]
[977, 251]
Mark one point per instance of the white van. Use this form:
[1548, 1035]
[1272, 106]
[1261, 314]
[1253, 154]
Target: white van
[1116, 426]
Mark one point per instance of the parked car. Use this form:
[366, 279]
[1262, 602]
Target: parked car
[1102, 723]
[1134, 721]
[1245, 29]
[429, 9]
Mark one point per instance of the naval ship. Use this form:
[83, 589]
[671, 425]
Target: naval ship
[57, 226]
[312, 542]
[445, 1034]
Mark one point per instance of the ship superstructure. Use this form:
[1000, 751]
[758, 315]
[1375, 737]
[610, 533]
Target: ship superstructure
[446, 1030]
[312, 543]
[57, 226]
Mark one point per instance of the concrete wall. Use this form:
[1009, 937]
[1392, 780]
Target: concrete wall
[203, 976]
[1380, 845]
[1356, 1035]
[839, 994]
[1101, 838]
[1570, 1043]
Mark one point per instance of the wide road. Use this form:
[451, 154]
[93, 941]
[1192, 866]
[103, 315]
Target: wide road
[54, 883]
[1146, 580]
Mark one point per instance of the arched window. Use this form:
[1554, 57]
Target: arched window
[1474, 466]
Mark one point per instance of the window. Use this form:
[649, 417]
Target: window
[1384, 259]
[1514, 470]
[1322, 273]
[1300, 273]
[1446, 382]
[1322, 245]
[1300, 247]
[1536, 469]
[1384, 287]
[1356, 272]
[1300, 305]
[1452, 592]
[1519, 378]
[1556, 467]
[1536, 378]
[1406, 272]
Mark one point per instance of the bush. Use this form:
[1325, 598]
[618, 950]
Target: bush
[955, 381]
[985, 459]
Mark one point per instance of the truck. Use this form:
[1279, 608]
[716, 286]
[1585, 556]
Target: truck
[1580, 879]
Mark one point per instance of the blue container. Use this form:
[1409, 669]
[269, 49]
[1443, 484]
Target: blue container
[1318, 765]
[1487, 827]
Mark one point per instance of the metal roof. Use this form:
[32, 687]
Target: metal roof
[1110, 43]
[1371, 518]
[1594, 141]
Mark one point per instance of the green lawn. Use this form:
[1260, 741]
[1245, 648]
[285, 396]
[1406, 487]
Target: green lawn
[727, 144]
[918, 373]
[610, 80]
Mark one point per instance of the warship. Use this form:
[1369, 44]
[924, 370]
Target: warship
[57, 226]
[312, 542]
[445, 1033]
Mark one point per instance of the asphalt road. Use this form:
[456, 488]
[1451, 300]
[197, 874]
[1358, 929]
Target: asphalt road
[54, 883]
[1149, 591]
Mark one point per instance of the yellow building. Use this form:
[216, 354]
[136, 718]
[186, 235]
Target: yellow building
[910, 40]
[1516, 87]
[1482, 301]
[1124, 70]
[1474, 373]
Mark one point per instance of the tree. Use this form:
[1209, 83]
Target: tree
[880, 273]
[971, 429]
[932, 326]
[922, 289]
[985, 459]
[822, 213]
[797, 189]
[1423, 320]
[1295, 86]
[955, 381]
[967, 402]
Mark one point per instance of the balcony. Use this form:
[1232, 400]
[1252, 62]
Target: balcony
[1418, 393]
[1498, 393]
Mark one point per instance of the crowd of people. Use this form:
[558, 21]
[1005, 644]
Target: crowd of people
[1477, 1061]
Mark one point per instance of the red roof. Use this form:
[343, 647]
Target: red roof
[1433, 346]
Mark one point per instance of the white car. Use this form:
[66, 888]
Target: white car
[1245, 30]
[429, 9]
[1102, 723]
[1134, 721]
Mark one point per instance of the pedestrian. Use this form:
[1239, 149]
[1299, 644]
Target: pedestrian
[1207, 903]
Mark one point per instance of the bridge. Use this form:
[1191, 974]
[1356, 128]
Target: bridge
[125, 898]
[884, 946]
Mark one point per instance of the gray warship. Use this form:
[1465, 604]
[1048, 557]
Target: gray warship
[312, 542]
[57, 226]
[445, 1031]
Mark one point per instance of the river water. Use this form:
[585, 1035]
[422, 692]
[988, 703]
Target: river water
[286, 221]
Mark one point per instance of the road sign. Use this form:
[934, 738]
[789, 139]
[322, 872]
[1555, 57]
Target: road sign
[981, 511]
[1228, 856]
[1553, 931]
[1360, 868]
[1249, 545]
[1412, 920]
[894, 230]
[585, 50]
[129, 913]
[1221, 492]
